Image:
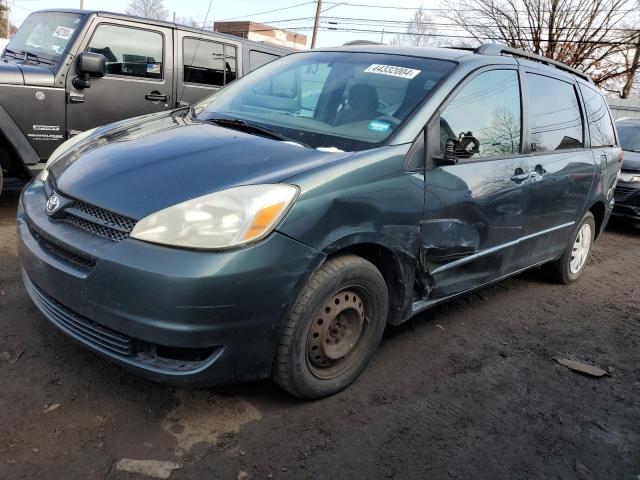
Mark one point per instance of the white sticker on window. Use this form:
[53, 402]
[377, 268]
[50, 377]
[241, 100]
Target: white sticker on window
[392, 70]
[63, 33]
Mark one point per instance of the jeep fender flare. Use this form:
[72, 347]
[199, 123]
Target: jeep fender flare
[25, 154]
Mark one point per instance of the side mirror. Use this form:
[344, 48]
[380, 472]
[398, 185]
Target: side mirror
[89, 65]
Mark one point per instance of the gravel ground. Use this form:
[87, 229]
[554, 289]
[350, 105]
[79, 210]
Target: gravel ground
[468, 390]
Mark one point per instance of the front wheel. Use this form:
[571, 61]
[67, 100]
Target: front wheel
[334, 328]
[569, 268]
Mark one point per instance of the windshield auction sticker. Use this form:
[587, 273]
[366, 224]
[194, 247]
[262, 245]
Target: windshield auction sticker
[63, 33]
[393, 71]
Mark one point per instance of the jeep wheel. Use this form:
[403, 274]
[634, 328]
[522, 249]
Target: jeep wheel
[334, 328]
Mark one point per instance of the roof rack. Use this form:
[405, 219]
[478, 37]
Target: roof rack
[361, 42]
[499, 49]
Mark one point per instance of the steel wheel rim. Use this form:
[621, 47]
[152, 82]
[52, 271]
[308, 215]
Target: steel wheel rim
[581, 247]
[337, 334]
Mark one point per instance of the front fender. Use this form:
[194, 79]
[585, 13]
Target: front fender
[15, 139]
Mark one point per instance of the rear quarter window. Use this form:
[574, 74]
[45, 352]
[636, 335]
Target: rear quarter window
[600, 124]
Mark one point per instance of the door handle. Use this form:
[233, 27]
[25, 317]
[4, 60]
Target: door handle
[538, 172]
[157, 97]
[520, 176]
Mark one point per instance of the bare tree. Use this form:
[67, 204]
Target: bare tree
[420, 31]
[3, 24]
[148, 8]
[586, 34]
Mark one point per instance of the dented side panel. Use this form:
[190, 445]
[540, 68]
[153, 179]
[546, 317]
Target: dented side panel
[474, 216]
[369, 200]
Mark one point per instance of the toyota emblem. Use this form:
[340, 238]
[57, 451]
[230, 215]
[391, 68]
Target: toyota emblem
[52, 204]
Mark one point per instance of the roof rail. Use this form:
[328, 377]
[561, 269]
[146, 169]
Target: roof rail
[499, 49]
[361, 42]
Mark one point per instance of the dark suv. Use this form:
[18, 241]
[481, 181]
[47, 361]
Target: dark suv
[628, 190]
[279, 226]
[67, 71]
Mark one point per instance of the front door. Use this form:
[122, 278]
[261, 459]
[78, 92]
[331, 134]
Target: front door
[474, 209]
[139, 78]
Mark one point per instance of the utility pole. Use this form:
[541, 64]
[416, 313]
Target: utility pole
[316, 25]
[6, 15]
[81, 4]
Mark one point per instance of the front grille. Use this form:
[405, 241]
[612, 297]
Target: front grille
[623, 192]
[98, 221]
[89, 332]
[65, 254]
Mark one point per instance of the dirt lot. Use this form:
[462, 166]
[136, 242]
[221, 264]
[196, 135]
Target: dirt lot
[468, 390]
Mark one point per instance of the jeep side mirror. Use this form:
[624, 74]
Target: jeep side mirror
[89, 65]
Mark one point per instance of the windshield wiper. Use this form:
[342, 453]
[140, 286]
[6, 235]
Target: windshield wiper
[14, 54]
[249, 127]
[26, 56]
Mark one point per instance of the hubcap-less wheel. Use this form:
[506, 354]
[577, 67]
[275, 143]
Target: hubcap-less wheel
[335, 335]
[581, 247]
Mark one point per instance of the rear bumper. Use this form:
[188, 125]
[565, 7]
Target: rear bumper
[171, 315]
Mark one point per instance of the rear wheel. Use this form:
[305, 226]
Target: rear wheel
[334, 328]
[569, 268]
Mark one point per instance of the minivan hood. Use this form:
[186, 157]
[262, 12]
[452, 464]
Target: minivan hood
[12, 73]
[141, 166]
[631, 161]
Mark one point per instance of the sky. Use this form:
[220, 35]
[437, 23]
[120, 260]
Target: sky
[293, 14]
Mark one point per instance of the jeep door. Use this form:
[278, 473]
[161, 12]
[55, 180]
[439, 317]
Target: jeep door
[139, 78]
[562, 169]
[475, 209]
[204, 65]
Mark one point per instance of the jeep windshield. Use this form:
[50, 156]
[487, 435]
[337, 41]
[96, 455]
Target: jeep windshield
[333, 100]
[44, 35]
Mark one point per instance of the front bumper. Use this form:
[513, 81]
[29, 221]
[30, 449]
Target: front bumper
[627, 197]
[173, 315]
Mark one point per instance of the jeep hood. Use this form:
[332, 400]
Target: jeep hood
[13, 73]
[141, 166]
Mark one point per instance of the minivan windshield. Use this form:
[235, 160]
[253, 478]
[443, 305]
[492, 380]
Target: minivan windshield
[45, 34]
[629, 137]
[335, 100]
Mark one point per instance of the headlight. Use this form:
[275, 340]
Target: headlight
[629, 177]
[224, 219]
[62, 149]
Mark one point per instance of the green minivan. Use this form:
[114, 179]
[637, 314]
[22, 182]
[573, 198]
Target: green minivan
[278, 227]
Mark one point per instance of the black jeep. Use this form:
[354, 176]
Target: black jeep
[66, 71]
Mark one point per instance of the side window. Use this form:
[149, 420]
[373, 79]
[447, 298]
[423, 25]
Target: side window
[554, 114]
[203, 62]
[600, 126]
[208, 63]
[129, 51]
[486, 110]
[257, 59]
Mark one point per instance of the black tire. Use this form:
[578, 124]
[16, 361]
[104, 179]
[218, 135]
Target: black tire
[359, 293]
[562, 269]
[1, 180]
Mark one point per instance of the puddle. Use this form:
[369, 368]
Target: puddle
[204, 417]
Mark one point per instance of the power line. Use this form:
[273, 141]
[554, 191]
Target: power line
[255, 14]
[427, 9]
